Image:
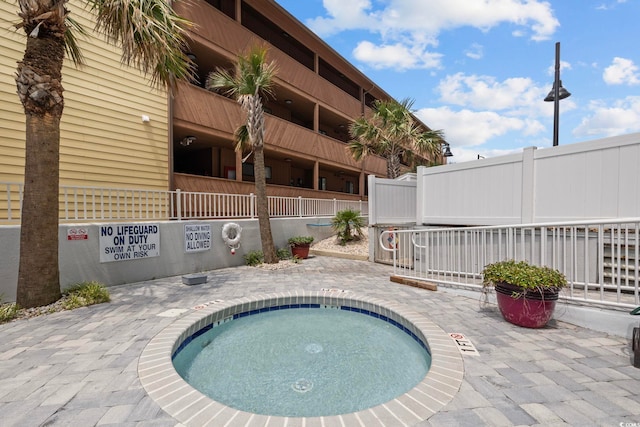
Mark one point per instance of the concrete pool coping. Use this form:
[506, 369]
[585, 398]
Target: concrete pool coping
[190, 407]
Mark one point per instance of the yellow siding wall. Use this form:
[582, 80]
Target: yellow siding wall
[104, 142]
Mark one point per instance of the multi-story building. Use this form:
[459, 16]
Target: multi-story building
[117, 131]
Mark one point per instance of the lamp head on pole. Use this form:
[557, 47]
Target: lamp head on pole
[446, 150]
[562, 93]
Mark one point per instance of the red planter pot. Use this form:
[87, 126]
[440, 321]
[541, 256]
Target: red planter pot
[530, 310]
[300, 251]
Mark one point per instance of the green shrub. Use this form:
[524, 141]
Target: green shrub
[522, 274]
[80, 295]
[254, 258]
[283, 253]
[8, 311]
[85, 294]
[300, 240]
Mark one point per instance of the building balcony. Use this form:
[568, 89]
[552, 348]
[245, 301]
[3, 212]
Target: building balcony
[295, 156]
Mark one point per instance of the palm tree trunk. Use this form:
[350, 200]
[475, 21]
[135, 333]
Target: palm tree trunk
[393, 165]
[38, 276]
[266, 238]
[39, 84]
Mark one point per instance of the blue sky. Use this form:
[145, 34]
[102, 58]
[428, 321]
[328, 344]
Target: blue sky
[480, 69]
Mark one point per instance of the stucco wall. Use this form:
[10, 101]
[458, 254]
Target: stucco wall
[80, 259]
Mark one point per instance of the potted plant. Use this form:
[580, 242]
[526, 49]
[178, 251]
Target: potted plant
[300, 246]
[526, 293]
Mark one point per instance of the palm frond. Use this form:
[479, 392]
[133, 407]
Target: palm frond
[357, 149]
[250, 82]
[393, 133]
[152, 36]
[221, 79]
[241, 136]
[71, 42]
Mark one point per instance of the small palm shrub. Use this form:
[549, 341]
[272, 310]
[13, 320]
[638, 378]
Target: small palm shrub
[348, 224]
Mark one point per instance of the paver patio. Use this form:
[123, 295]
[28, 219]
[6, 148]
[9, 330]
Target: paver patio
[79, 368]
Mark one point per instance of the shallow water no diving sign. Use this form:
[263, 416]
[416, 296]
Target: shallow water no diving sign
[464, 345]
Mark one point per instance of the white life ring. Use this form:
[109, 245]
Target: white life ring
[231, 233]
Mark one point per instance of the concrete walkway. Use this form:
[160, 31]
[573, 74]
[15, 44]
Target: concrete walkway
[79, 368]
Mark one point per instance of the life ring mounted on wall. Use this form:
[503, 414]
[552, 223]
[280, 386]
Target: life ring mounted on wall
[392, 238]
[231, 234]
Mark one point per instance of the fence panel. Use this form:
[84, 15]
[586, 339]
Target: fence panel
[391, 201]
[585, 181]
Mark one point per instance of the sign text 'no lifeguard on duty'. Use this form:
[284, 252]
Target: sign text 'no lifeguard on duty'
[122, 242]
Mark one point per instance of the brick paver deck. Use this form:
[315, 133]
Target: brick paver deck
[80, 368]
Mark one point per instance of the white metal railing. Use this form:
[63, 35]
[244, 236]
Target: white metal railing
[601, 259]
[79, 204]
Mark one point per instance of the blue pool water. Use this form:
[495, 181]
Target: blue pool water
[303, 362]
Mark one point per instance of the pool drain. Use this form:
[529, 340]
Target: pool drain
[313, 348]
[302, 386]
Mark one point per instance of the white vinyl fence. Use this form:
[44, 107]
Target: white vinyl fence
[583, 181]
[391, 201]
[79, 204]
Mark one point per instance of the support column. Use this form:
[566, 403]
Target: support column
[316, 118]
[316, 175]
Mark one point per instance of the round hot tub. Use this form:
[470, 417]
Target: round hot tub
[323, 354]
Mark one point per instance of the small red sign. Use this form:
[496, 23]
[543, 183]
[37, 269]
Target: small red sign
[77, 234]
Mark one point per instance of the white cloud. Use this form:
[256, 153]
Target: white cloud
[343, 15]
[437, 15]
[414, 25]
[621, 71]
[466, 128]
[604, 6]
[491, 109]
[620, 118]
[475, 52]
[397, 56]
[485, 92]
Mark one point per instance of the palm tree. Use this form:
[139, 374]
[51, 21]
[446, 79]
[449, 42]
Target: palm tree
[348, 225]
[392, 132]
[250, 82]
[152, 38]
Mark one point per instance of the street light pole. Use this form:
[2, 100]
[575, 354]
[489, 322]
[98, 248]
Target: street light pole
[556, 94]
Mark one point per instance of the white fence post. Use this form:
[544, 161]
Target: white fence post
[252, 205]
[178, 204]
[372, 211]
[300, 206]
